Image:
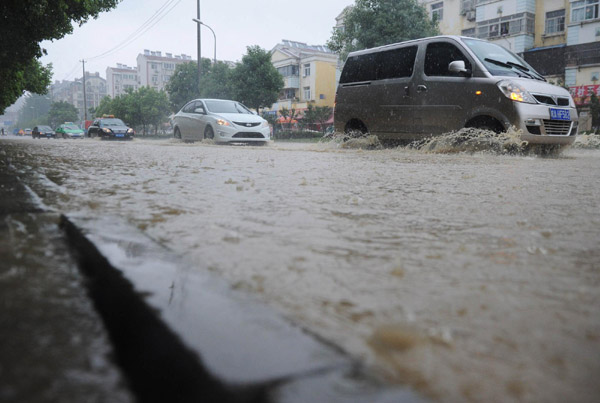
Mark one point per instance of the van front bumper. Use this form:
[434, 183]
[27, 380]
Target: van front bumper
[539, 128]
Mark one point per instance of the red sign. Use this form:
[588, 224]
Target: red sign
[581, 94]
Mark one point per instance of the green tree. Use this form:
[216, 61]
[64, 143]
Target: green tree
[322, 115]
[183, 84]
[216, 82]
[61, 112]
[34, 112]
[255, 82]
[371, 23]
[24, 25]
[143, 107]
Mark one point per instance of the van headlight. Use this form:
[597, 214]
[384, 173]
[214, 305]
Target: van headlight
[515, 92]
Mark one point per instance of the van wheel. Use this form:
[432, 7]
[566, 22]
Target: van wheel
[354, 126]
[486, 123]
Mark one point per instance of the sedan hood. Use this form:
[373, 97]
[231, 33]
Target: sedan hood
[241, 117]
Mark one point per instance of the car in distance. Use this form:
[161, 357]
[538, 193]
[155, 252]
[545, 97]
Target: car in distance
[43, 131]
[223, 120]
[27, 132]
[109, 127]
[69, 130]
[416, 89]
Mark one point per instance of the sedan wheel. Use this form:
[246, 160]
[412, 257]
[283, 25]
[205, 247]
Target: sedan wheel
[209, 133]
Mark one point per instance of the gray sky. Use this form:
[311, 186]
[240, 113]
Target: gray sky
[237, 24]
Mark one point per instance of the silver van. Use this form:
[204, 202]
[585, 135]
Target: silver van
[424, 87]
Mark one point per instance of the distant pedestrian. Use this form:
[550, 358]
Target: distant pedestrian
[3, 131]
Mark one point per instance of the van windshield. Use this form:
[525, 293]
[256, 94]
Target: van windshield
[501, 62]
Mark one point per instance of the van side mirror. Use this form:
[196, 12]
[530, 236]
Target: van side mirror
[458, 66]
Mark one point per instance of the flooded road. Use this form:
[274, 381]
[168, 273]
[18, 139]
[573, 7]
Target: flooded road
[467, 276]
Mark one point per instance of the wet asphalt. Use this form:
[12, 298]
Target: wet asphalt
[86, 317]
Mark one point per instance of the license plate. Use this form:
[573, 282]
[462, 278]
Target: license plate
[560, 114]
[122, 135]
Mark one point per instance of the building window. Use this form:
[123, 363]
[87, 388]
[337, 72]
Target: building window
[555, 22]
[307, 70]
[468, 32]
[155, 79]
[154, 66]
[437, 11]
[166, 78]
[510, 25]
[169, 66]
[584, 10]
[289, 93]
[307, 93]
[287, 71]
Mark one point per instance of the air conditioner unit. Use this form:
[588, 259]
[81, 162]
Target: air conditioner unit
[471, 15]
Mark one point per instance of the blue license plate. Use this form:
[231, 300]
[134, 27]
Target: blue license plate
[122, 135]
[560, 114]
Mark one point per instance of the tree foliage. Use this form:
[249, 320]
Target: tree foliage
[143, 107]
[254, 81]
[318, 114]
[35, 111]
[371, 23]
[61, 112]
[26, 23]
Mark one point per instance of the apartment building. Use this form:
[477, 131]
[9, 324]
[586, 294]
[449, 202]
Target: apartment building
[121, 78]
[309, 74]
[155, 69]
[72, 92]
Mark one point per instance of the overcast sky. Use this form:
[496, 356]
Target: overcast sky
[237, 24]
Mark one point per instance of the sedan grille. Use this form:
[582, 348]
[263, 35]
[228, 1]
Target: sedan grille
[247, 124]
[248, 135]
[557, 127]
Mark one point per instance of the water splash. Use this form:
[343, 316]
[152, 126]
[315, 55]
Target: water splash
[353, 140]
[472, 140]
[587, 141]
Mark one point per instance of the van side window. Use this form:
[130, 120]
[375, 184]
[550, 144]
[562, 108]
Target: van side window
[359, 68]
[439, 55]
[396, 63]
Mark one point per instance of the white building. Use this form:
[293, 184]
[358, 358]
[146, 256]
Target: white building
[72, 92]
[121, 78]
[155, 70]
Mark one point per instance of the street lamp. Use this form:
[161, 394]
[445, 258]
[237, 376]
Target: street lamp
[214, 35]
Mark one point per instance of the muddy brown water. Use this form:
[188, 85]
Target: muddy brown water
[468, 276]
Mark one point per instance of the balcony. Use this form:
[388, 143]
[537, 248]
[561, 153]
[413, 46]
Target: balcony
[291, 82]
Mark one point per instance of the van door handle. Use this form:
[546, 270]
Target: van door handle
[421, 88]
[406, 91]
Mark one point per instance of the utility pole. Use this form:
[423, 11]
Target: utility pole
[199, 49]
[84, 97]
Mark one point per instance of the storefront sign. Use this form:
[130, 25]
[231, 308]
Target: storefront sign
[581, 94]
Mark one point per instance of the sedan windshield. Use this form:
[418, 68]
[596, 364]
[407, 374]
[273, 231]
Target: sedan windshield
[226, 107]
[71, 127]
[499, 61]
[44, 129]
[111, 122]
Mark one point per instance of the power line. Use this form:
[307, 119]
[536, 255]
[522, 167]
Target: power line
[145, 27]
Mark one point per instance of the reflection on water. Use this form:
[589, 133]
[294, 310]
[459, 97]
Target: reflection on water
[470, 273]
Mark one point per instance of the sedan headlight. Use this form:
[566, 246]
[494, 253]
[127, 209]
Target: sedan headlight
[515, 91]
[265, 124]
[105, 130]
[223, 122]
[130, 131]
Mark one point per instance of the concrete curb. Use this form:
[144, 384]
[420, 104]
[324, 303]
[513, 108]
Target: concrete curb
[181, 335]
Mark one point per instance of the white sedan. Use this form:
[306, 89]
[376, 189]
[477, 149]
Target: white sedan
[222, 120]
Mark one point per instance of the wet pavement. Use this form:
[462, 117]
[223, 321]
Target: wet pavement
[53, 347]
[466, 276]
